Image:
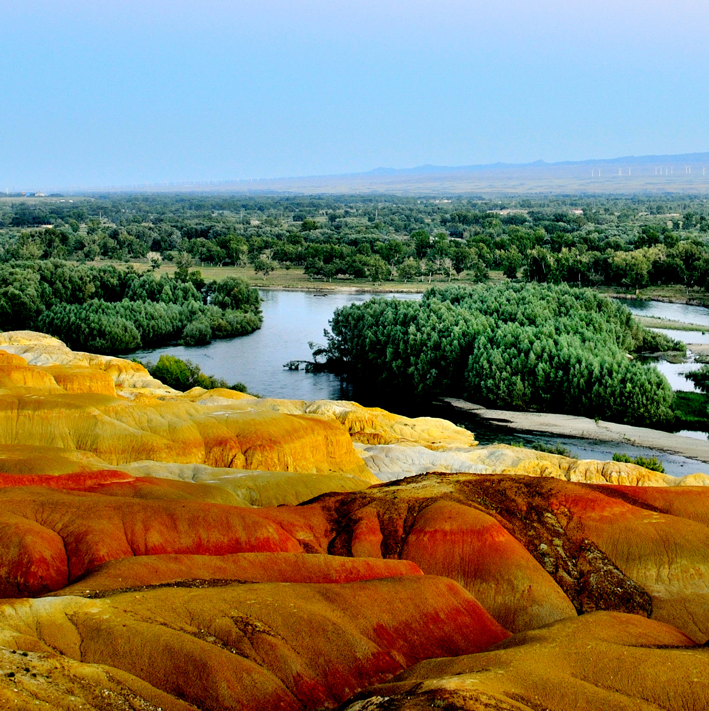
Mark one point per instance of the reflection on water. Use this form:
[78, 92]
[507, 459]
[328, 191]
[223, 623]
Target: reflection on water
[685, 336]
[674, 372]
[290, 320]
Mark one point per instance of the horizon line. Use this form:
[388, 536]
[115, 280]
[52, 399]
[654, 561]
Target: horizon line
[381, 171]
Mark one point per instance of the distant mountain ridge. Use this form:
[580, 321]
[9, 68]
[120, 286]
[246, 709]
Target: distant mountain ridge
[678, 173]
[688, 158]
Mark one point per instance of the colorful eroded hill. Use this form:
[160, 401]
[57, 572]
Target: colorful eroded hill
[210, 550]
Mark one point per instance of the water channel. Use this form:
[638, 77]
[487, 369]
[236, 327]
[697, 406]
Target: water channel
[293, 318]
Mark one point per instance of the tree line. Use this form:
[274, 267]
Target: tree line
[626, 242]
[106, 309]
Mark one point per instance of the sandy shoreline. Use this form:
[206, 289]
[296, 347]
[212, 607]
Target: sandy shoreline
[585, 428]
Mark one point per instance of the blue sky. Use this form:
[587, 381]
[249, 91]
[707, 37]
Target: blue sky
[117, 93]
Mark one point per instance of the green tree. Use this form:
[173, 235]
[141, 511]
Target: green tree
[183, 262]
[422, 242]
[408, 270]
[264, 265]
[377, 269]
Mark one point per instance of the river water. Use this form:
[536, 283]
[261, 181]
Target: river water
[293, 318]
[290, 320]
[675, 312]
[698, 315]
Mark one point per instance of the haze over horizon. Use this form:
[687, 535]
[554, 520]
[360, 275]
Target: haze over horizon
[129, 93]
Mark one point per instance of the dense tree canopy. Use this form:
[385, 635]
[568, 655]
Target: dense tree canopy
[618, 241]
[529, 347]
[110, 310]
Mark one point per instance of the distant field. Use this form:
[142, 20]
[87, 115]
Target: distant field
[295, 279]
[616, 178]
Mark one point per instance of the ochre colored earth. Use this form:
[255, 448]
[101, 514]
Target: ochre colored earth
[210, 550]
[603, 661]
[255, 646]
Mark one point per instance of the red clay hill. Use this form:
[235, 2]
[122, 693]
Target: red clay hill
[139, 570]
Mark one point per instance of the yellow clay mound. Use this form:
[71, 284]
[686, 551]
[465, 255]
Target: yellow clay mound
[38, 459]
[40, 349]
[82, 379]
[256, 488]
[120, 431]
[603, 660]
[372, 425]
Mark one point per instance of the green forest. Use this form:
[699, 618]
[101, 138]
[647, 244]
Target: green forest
[106, 309]
[623, 242]
[546, 347]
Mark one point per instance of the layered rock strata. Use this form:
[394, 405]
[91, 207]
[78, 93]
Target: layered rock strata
[209, 550]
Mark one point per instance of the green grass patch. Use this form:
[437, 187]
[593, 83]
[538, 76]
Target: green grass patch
[691, 411]
[655, 322]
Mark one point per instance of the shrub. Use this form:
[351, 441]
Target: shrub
[551, 449]
[652, 463]
[197, 333]
[184, 375]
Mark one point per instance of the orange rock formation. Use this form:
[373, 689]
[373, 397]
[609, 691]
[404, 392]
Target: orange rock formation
[602, 660]
[252, 646]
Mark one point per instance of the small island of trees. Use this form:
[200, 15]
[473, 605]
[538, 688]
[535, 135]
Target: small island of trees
[518, 346]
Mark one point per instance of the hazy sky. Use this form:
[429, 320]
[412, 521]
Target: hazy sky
[106, 92]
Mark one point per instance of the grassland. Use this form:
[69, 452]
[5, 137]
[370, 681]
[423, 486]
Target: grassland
[650, 322]
[296, 279]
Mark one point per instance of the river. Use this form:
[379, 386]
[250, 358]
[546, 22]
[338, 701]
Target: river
[698, 315]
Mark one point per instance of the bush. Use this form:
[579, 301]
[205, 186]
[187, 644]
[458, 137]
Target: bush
[652, 463]
[234, 294]
[184, 375]
[197, 333]
[551, 449]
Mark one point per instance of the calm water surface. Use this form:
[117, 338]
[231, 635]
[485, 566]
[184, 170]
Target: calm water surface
[674, 372]
[675, 312]
[290, 320]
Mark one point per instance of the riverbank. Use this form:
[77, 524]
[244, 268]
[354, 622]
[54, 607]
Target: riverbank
[585, 428]
[652, 322]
